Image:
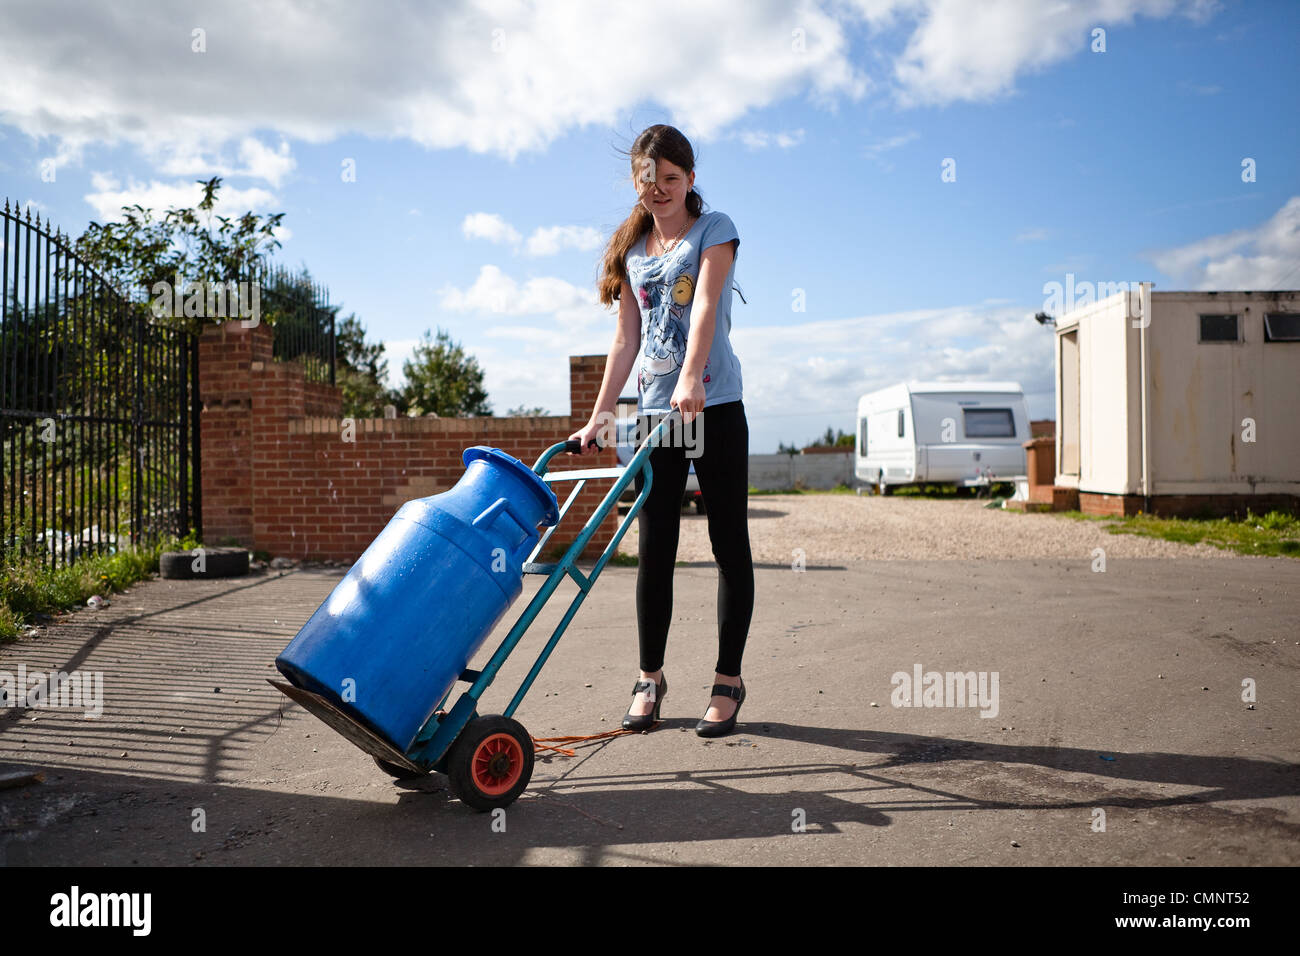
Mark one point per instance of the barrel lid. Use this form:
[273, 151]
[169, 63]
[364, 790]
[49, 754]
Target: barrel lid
[544, 494]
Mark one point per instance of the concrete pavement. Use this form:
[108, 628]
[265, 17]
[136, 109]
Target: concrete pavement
[1118, 692]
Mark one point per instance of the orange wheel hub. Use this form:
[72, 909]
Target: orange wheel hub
[497, 763]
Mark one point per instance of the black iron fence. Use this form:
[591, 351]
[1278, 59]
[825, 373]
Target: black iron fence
[302, 319]
[98, 407]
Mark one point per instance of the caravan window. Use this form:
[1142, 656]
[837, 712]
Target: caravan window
[988, 423]
[900, 423]
[1219, 328]
[1282, 327]
[862, 444]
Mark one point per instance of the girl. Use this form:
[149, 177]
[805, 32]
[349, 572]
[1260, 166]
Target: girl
[670, 267]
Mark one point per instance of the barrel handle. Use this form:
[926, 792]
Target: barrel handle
[490, 514]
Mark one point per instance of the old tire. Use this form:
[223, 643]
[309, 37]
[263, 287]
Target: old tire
[216, 563]
[490, 763]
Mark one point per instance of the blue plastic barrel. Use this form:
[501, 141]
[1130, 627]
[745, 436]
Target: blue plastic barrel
[403, 624]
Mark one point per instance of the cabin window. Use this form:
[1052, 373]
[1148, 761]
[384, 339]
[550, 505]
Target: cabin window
[1282, 327]
[862, 444]
[900, 423]
[989, 423]
[1219, 328]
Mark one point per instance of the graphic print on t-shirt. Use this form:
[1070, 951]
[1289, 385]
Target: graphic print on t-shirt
[665, 338]
[664, 287]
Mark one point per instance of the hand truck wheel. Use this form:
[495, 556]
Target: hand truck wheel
[490, 762]
[398, 773]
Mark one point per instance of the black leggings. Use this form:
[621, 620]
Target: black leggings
[722, 468]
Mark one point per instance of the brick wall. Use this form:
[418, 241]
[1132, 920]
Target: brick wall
[283, 472]
[1181, 506]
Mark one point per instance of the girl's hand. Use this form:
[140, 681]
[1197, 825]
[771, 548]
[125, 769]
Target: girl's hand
[591, 432]
[688, 396]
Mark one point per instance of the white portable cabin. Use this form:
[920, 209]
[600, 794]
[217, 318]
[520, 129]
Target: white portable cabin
[941, 432]
[1171, 402]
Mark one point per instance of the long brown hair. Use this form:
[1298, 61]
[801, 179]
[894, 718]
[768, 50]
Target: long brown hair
[655, 143]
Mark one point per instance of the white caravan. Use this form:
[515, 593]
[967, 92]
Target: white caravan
[941, 432]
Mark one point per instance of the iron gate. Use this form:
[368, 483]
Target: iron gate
[99, 408]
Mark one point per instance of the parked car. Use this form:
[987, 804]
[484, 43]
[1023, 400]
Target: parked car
[627, 448]
[967, 433]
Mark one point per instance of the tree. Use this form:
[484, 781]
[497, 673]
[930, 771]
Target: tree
[525, 411]
[145, 249]
[441, 378]
[361, 370]
[834, 438]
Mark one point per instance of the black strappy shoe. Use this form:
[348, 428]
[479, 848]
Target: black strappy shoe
[646, 721]
[720, 728]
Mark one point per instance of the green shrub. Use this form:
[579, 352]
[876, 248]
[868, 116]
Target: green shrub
[28, 588]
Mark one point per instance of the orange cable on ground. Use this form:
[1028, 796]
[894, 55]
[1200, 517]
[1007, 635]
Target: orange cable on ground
[540, 743]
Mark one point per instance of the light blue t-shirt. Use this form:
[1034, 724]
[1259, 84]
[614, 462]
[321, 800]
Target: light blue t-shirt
[665, 290]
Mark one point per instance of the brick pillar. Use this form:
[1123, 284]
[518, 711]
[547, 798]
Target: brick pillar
[1040, 461]
[227, 352]
[586, 373]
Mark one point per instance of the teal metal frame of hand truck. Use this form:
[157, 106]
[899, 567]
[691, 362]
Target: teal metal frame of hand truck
[489, 760]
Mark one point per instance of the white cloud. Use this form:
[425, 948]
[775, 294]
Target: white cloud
[256, 160]
[878, 149]
[755, 139]
[528, 335]
[262, 162]
[874, 150]
[974, 51]
[1266, 256]
[551, 239]
[489, 226]
[498, 76]
[544, 241]
[486, 76]
[109, 196]
[1032, 235]
[495, 293]
[396, 352]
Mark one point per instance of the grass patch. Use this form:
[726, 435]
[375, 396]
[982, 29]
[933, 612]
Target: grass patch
[27, 588]
[1276, 534]
[1080, 516]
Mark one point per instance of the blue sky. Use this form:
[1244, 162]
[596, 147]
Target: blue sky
[485, 138]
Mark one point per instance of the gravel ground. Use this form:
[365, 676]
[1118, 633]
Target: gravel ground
[831, 528]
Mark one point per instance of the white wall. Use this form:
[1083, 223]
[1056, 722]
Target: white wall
[1198, 395]
[1109, 412]
[1201, 392]
[779, 472]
